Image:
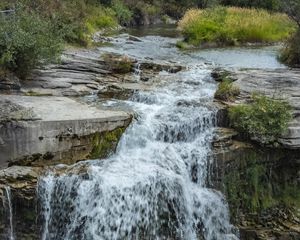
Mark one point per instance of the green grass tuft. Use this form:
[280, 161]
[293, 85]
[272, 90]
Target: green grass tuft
[227, 91]
[265, 118]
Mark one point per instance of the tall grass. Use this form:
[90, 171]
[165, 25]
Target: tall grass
[233, 25]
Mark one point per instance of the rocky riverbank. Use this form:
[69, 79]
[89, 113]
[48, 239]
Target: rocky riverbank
[261, 183]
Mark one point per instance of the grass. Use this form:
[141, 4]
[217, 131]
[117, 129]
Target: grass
[233, 26]
[264, 119]
[227, 91]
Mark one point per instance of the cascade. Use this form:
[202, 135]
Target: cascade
[9, 202]
[155, 185]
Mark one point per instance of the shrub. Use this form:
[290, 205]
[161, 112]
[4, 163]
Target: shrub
[227, 91]
[26, 42]
[264, 118]
[290, 54]
[123, 13]
[229, 26]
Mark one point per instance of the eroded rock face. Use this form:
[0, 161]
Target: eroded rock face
[261, 185]
[19, 202]
[281, 83]
[61, 131]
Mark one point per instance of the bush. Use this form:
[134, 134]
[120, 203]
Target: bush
[26, 42]
[227, 91]
[123, 13]
[265, 118]
[290, 54]
[229, 26]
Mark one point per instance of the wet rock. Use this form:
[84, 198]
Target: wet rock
[223, 137]
[134, 39]
[22, 183]
[116, 92]
[261, 187]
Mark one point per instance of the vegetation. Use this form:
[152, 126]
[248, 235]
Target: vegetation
[251, 188]
[118, 64]
[227, 91]
[230, 26]
[27, 41]
[291, 53]
[264, 118]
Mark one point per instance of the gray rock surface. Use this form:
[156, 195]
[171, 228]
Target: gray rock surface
[84, 72]
[281, 83]
[60, 129]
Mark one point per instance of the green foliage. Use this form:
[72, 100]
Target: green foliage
[231, 26]
[261, 179]
[123, 13]
[105, 143]
[227, 91]
[264, 118]
[26, 42]
[290, 54]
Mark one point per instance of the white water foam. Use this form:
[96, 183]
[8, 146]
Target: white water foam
[154, 186]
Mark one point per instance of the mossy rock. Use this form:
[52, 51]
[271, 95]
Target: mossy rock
[118, 64]
[105, 143]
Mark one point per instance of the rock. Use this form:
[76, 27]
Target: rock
[63, 131]
[9, 81]
[223, 137]
[22, 184]
[256, 181]
[10, 111]
[282, 83]
[134, 39]
[116, 92]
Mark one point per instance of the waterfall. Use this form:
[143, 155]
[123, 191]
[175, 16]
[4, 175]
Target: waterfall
[137, 71]
[155, 186]
[8, 197]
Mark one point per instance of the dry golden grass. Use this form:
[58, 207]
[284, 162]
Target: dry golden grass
[234, 25]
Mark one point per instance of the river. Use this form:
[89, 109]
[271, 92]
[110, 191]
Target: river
[156, 184]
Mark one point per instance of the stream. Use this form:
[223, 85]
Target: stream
[156, 184]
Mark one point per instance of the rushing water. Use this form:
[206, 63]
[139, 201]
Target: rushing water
[155, 185]
[9, 203]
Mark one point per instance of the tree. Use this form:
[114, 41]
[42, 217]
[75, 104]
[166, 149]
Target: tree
[292, 8]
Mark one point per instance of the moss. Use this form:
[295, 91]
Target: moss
[260, 180]
[105, 143]
[183, 45]
[36, 94]
[118, 64]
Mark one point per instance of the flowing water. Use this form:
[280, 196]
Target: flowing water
[9, 203]
[155, 185]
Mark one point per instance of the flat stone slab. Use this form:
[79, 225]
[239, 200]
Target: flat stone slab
[63, 109]
[57, 130]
